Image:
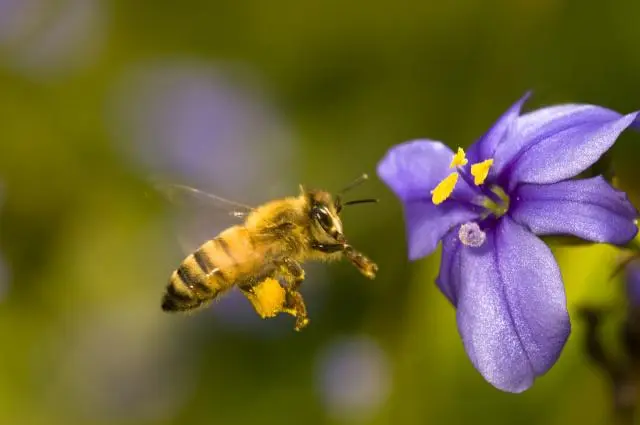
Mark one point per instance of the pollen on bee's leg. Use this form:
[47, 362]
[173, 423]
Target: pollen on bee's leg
[480, 171]
[471, 235]
[459, 159]
[444, 189]
[269, 298]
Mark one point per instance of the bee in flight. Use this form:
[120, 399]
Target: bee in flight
[263, 256]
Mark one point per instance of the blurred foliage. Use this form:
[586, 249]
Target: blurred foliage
[84, 340]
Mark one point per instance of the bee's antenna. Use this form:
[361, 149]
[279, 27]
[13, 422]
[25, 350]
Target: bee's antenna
[358, 181]
[361, 201]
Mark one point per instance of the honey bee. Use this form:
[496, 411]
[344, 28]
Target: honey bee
[263, 255]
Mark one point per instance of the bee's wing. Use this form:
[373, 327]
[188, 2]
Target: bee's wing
[178, 194]
[200, 215]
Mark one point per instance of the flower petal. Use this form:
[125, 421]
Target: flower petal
[449, 278]
[413, 168]
[563, 152]
[485, 147]
[530, 127]
[427, 223]
[589, 208]
[512, 311]
[632, 280]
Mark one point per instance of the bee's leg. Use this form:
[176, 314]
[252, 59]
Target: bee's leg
[295, 271]
[294, 304]
[267, 297]
[359, 260]
[328, 248]
[362, 263]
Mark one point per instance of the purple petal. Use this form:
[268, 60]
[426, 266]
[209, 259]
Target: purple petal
[449, 278]
[428, 223]
[590, 209]
[544, 122]
[632, 278]
[557, 152]
[512, 311]
[412, 169]
[485, 148]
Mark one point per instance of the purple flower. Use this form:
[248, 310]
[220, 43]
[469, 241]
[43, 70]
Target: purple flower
[488, 205]
[632, 282]
[44, 42]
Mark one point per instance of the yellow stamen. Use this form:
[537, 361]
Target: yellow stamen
[480, 171]
[444, 188]
[459, 159]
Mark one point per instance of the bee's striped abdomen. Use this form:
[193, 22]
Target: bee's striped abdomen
[200, 277]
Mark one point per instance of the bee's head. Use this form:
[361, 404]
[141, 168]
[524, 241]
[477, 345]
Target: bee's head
[324, 214]
[324, 211]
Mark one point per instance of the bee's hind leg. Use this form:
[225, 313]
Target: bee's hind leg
[267, 297]
[294, 304]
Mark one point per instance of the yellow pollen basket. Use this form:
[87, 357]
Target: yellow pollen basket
[459, 159]
[480, 171]
[269, 297]
[444, 189]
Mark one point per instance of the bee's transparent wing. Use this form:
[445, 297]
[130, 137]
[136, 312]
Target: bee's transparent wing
[199, 215]
[179, 195]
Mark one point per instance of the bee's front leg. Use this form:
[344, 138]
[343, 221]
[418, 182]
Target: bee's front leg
[362, 262]
[359, 260]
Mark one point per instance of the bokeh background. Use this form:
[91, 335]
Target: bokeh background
[100, 98]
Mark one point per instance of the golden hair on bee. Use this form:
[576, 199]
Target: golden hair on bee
[263, 256]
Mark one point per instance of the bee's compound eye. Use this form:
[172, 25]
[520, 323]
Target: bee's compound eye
[323, 217]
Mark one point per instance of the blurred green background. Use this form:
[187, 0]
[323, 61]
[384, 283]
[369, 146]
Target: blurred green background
[247, 100]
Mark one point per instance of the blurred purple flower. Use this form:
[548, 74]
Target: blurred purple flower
[353, 377]
[208, 125]
[504, 281]
[632, 282]
[149, 376]
[44, 38]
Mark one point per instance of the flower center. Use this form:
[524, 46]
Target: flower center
[498, 207]
[492, 198]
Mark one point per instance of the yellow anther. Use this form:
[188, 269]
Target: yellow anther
[480, 171]
[459, 159]
[444, 188]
